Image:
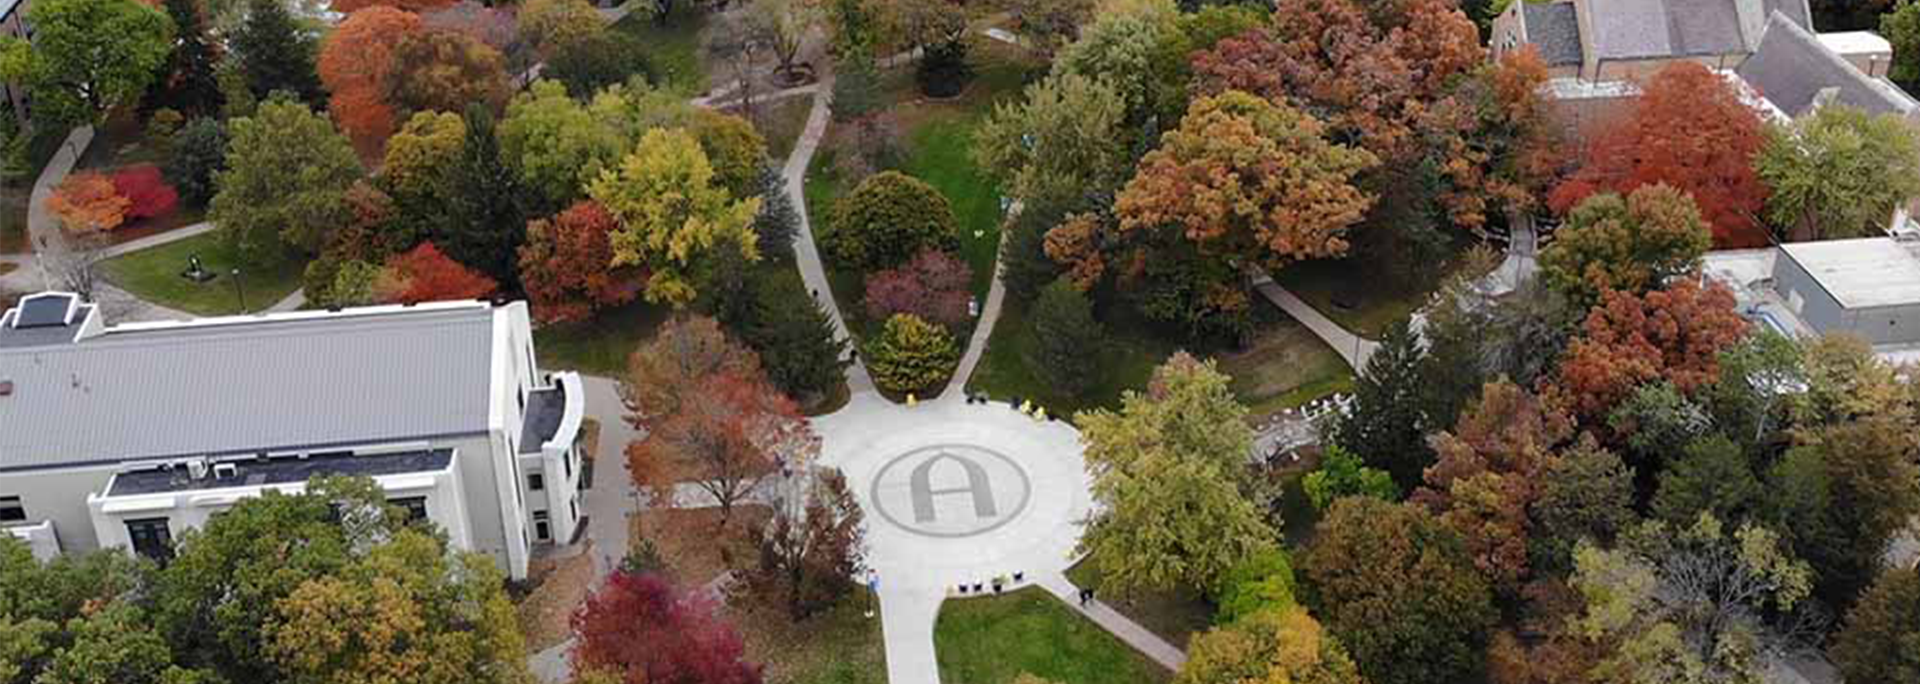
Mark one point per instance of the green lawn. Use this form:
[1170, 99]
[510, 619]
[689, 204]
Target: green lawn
[1283, 367]
[154, 275]
[1174, 615]
[991, 640]
[673, 47]
[601, 345]
[1361, 294]
[1127, 358]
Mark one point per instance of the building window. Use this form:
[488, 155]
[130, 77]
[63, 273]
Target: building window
[151, 538]
[535, 482]
[573, 509]
[541, 529]
[11, 510]
[415, 506]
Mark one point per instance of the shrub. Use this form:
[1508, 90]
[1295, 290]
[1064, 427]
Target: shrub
[426, 275]
[912, 355]
[1262, 582]
[933, 286]
[1066, 338]
[147, 194]
[887, 219]
[87, 202]
[943, 71]
[1344, 474]
[199, 151]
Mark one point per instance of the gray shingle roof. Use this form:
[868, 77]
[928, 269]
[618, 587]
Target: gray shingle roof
[240, 387]
[1554, 30]
[1632, 29]
[1792, 67]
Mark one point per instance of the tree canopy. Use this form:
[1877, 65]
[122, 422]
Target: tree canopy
[87, 56]
[674, 214]
[286, 181]
[1838, 173]
[1630, 244]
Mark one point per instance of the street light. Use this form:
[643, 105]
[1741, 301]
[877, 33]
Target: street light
[239, 291]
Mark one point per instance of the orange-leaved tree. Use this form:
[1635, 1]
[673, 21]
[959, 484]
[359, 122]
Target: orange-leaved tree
[425, 275]
[1674, 335]
[414, 6]
[88, 202]
[1692, 129]
[354, 64]
[567, 267]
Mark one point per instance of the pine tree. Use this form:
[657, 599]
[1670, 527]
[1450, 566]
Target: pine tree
[778, 220]
[486, 221]
[797, 341]
[188, 85]
[1388, 423]
[1065, 338]
[275, 54]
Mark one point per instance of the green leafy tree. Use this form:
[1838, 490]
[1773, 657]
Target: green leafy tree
[887, 219]
[487, 217]
[286, 181]
[1066, 141]
[1585, 493]
[674, 215]
[549, 25]
[560, 144]
[778, 220]
[737, 151]
[599, 61]
[87, 56]
[1263, 582]
[1902, 28]
[1388, 424]
[1757, 377]
[1342, 474]
[912, 356]
[275, 54]
[1713, 476]
[1880, 641]
[856, 87]
[114, 645]
[1685, 605]
[1127, 49]
[1866, 475]
[1838, 173]
[1399, 589]
[1634, 243]
[1169, 474]
[1066, 338]
[199, 154]
[1024, 265]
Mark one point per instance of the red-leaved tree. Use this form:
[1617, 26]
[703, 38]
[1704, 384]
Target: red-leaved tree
[724, 439]
[639, 628]
[425, 275]
[1693, 130]
[567, 268]
[414, 6]
[933, 286]
[354, 63]
[146, 191]
[1675, 334]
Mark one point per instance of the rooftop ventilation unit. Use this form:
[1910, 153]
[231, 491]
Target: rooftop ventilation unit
[225, 471]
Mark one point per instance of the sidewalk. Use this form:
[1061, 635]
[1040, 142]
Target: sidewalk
[1142, 640]
[805, 251]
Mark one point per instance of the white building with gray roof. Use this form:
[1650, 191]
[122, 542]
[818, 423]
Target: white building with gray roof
[126, 435]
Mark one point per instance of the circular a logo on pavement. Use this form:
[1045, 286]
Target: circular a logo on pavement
[950, 491]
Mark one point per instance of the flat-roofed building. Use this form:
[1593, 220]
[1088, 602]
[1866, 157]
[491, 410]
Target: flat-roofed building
[125, 435]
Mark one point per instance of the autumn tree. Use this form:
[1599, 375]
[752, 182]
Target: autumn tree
[87, 56]
[1876, 642]
[911, 355]
[147, 193]
[812, 548]
[355, 64]
[735, 148]
[1688, 604]
[1489, 146]
[1838, 173]
[887, 219]
[676, 361]
[1690, 129]
[1274, 646]
[1856, 487]
[642, 629]
[673, 214]
[1631, 244]
[447, 72]
[1674, 334]
[725, 438]
[1066, 339]
[1399, 589]
[352, 7]
[1840, 379]
[934, 286]
[425, 275]
[273, 53]
[549, 25]
[287, 175]
[1169, 474]
[1065, 142]
[566, 265]
[87, 202]
[1367, 69]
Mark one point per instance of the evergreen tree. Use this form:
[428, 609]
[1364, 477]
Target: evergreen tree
[199, 153]
[856, 88]
[486, 221]
[275, 54]
[778, 221]
[1024, 265]
[188, 85]
[1065, 338]
[1388, 423]
[798, 344]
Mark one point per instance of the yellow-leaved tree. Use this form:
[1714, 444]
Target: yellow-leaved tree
[674, 215]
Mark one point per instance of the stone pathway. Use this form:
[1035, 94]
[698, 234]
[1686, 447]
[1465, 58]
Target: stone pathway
[1353, 348]
[982, 329]
[806, 251]
[157, 239]
[1140, 638]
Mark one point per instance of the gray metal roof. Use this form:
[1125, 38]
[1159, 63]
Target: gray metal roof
[275, 471]
[1792, 67]
[1554, 30]
[1863, 272]
[244, 385]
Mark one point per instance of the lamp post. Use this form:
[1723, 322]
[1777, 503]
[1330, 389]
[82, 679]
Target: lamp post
[239, 291]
